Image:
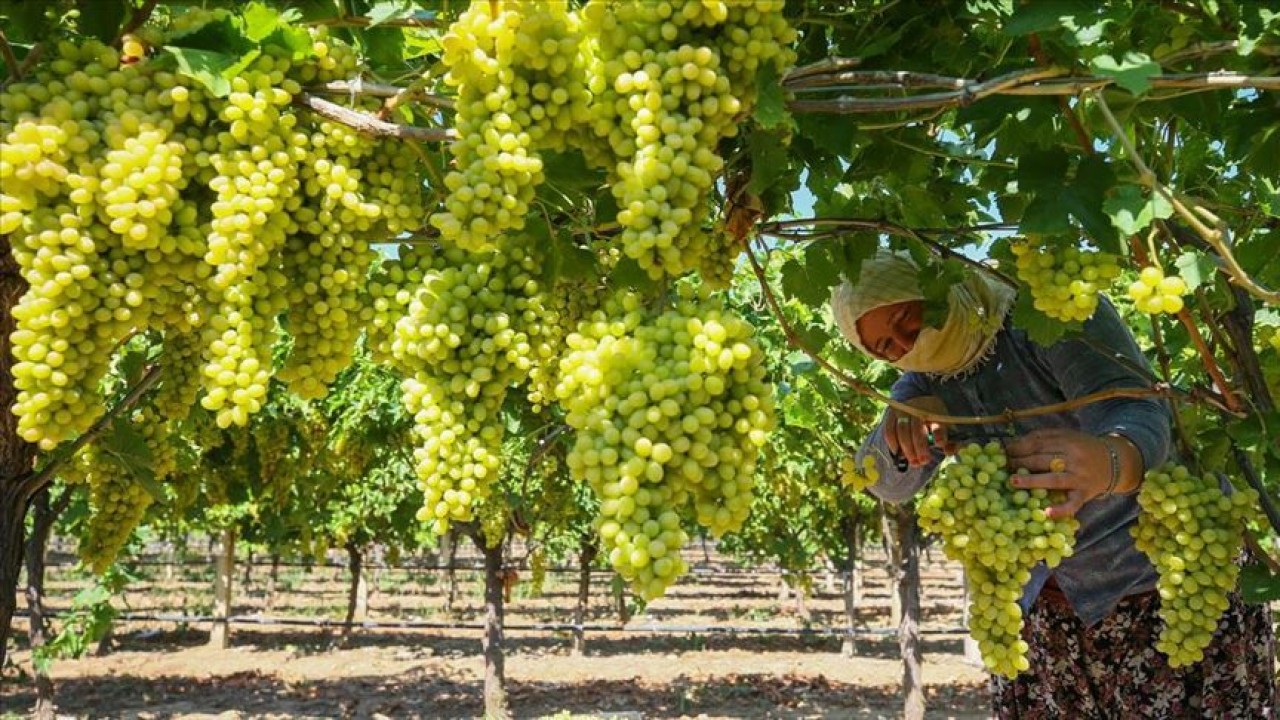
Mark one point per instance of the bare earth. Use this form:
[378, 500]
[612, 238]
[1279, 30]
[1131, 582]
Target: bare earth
[157, 671]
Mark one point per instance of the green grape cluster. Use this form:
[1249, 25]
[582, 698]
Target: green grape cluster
[117, 504]
[855, 479]
[1154, 292]
[392, 284]
[179, 386]
[1192, 532]
[469, 331]
[670, 80]
[493, 523]
[670, 408]
[999, 534]
[521, 90]
[330, 259]
[133, 200]
[1064, 281]
[537, 569]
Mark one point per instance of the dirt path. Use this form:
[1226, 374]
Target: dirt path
[437, 676]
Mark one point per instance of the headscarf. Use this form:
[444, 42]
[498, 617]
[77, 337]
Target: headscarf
[976, 308]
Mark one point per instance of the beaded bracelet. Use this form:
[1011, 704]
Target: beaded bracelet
[1115, 469]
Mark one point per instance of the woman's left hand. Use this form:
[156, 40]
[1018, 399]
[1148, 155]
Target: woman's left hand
[1061, 459]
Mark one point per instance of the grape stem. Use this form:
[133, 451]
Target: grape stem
[1210, 363]
[1192, 212]
[1251, 541]
[34, 481]
[137, 19]
[1161, 390]
[10, 62]
[367, 124]
[348, 21]
[381, 90]
[828, 75]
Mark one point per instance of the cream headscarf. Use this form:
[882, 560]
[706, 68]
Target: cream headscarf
[976, 310]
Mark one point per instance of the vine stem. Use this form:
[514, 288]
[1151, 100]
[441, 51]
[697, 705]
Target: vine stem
[1190, 211]
[367, 124]
[965, 91]
[34, 481]
[891, 228]
[137, 19]
[1251, 541]
[1160, 390]
[10, 61]
[347, 21]
[1210, 362]
[381, 90]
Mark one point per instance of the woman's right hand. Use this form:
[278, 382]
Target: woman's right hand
[909, 436]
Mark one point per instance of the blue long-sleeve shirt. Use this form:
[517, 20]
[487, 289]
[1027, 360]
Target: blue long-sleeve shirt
[1020, 374]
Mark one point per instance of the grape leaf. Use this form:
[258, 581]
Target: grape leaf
[1132, 210]
[1258, 585]
[1042, 329]
[1195, 269]
[205, 67]
[129, 447]
[1133, 72]
[1046, 15]
[99, 18]
[771, 109]
[390, 10]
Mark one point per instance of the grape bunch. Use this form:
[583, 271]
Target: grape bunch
[134, 200]
[1064, 281]
[1192, 532]
[1154, 292]
[670, 408]
[999, 534]
[670, 80]
[467, 333]
[521, 90]
[855, 479]
[537, 569]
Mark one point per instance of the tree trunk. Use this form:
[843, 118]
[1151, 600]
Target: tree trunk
[16, 455]
[586, 555]
[893, 557]
[220, 636]
[495, 678]
[354, 594]
[248, 567]
[39, 632]
[452, 559]
[272, 579]
[620, 598]
[907, 582]
[850, 586]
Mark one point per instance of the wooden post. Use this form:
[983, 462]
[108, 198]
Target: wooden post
[586, 555]
[220, 636]
[495, 679]
[908, 591]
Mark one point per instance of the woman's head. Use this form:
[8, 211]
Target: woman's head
[882, 314]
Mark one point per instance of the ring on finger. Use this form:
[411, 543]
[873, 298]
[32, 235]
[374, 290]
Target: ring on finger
[1058, 464]
[904, 421]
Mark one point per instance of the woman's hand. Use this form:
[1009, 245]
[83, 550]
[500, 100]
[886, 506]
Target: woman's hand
[1073, 461]
[909, 437]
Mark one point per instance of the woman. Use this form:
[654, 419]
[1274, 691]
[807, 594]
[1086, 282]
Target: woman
[1092, 621]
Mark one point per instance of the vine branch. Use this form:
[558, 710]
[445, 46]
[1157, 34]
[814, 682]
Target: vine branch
[367, 124]
[1194, 214]
[381, 90]
[10, 61]
[349, 21]
[1160, 390]
[965, 91]
[34, 481]
[137, 19]
[1210, 362]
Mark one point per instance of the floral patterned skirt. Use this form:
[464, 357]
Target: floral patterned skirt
[1113, 670]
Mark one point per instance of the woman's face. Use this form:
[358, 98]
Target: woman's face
[890, 331]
